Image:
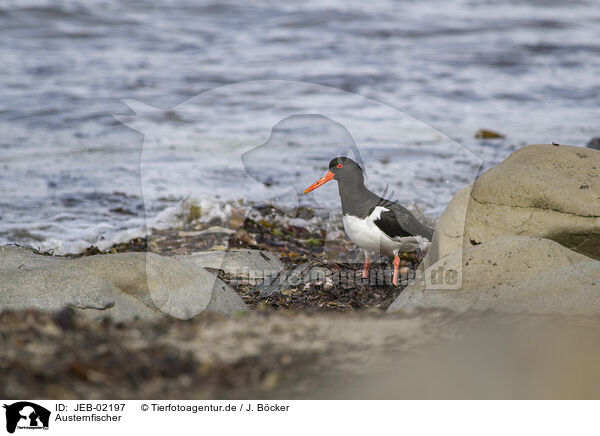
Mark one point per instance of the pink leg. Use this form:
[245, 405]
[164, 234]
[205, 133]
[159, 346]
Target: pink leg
[367, 266]
[396, 266]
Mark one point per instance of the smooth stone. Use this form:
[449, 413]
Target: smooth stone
[544, 177]
[509, 274]
[122, 286]
[594, 144]
[545, 191]
[255, 265]
[450, 228]
[285, 280]
[300, 275]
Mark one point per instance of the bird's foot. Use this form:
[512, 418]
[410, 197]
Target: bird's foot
[365, 273]
[396, 266]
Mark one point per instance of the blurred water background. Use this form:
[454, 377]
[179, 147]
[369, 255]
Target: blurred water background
[73, 175]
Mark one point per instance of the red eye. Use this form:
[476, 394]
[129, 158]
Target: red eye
[340, 165]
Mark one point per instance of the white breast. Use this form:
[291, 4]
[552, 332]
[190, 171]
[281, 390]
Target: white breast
[365, 234]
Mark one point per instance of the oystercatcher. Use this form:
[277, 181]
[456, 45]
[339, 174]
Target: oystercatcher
[373, 223]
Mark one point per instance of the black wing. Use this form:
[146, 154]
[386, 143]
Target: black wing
[398, 222]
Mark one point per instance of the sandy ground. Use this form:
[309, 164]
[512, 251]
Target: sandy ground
[291, 355]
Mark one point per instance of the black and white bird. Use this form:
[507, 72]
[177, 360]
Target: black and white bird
[373, 223]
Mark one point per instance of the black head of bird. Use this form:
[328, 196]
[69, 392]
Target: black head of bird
[344, 170]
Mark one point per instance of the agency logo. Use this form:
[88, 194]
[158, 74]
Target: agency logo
[26, 415]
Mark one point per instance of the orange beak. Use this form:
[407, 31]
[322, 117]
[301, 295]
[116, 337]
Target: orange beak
[326, 178]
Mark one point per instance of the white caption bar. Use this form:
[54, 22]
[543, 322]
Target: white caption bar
[263, 418]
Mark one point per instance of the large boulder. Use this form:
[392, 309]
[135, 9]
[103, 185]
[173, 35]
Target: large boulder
[594, 143]
[508, 274]
[450, 228]
[123, 286]
[547, 191]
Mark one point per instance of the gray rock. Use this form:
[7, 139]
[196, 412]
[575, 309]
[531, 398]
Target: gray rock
[285, 280]
[224, 300]
[544, 177]
[294, 277]
[123, 286]
[52, 288]
[594, 144]
[253, 265]
[509, 274]
[450, 228]
[15, 257]
[546, 191]
[541, 190]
